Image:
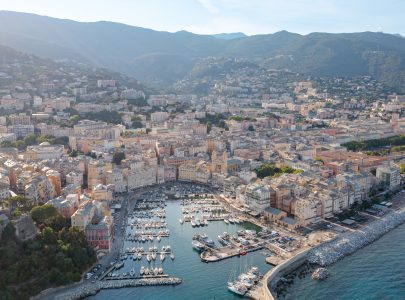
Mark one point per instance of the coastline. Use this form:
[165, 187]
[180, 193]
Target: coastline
[332, 251]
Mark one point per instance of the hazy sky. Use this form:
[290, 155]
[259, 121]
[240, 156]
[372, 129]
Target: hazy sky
[214, 16]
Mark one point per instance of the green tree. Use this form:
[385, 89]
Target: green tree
[118, 157]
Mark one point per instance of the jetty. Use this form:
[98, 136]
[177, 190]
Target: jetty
[214, 255]
[87, 290]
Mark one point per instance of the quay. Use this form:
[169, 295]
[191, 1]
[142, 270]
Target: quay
[225, 253]
[137, 277]
[92, 289]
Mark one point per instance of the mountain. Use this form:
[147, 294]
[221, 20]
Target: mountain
[161, 58]
[229, 36]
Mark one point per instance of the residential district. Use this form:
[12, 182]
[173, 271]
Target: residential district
[279, 149]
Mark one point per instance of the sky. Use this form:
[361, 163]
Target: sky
[218, 16]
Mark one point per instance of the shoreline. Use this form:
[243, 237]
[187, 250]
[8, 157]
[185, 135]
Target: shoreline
[330, 252]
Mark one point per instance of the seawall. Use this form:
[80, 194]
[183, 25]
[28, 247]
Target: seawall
[334, 250]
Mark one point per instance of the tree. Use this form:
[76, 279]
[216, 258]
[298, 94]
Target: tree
[30, 140]
[118, 157]
[44, 213]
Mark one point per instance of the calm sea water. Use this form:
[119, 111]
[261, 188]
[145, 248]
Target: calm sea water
[375, 272]
[200, 280]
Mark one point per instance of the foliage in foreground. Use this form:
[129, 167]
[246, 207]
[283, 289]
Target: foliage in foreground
[56, 256]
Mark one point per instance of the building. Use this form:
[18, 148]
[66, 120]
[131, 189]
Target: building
[388, 177]
[44, 151]
[100, 235]
[257, 197]
[83, 216]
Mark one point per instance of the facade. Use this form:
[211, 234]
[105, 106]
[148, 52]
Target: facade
[389, 177]
[257, 197]
[99, 235]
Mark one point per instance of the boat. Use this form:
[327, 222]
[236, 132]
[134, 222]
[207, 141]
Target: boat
[139, 256]
[160, 270]
[181, 221]
[197, 222]
[198, 246]
[162, 256]
[158, 238]
[226, 221]
[207, 241]
[142, 271]
[146, 271]
[242, 252]
[231, 220]
[119, 265]
[168, 249]
[193, 223]
[154, 256]
[132, 272]
[148, 258]
[172, 256]
[206, 222]
[156, 271]
[164, 249]
[151, 238]
[237, 288]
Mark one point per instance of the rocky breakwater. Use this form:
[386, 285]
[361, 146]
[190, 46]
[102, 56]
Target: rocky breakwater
[92, 289]
[349, 242]
[320, 274]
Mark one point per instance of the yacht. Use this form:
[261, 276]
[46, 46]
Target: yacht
[237, 288]
[148, 257]
[139, 256]
[198, 246]
[226, 221]
[154, 256]
[162, 256]
[193, 223]
[158, 238]
[168, 249]
[181, 221]
[160, 270]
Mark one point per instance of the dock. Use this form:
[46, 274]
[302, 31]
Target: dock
[274, 260]
[225, 253]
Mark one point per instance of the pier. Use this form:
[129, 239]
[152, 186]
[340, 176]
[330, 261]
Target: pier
[225, 253]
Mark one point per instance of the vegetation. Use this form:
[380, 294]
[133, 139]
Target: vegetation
[118, 157]
[266, 170]
[398, 140]
[402, 166]
[107, 116]
[17, 205]
[216, 120]
[56, 256]
[31, 140]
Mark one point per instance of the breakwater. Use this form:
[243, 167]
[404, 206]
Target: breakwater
[92, 289]
[349, 242]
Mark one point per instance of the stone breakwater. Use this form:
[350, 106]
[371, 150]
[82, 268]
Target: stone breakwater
[349, 242]
[92, 289]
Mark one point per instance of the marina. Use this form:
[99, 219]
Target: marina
[181, 261]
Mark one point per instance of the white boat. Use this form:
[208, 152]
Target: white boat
[237, 288]
[132, 272]
[156, 271]
[162, 256]
[226, 221]
[139, 256]
[206, 222]
[148, 258]
[146, 271]
[154, 256]
[164, 249]
[168, 249]
[181, 221]
[142, 271]
[193, 223]
[160, 270]
[158, 238]
[172, 256]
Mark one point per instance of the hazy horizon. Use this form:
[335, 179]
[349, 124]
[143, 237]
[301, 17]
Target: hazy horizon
[228, 16]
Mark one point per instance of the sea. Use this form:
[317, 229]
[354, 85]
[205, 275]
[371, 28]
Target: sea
[374, 272]
[200, 280]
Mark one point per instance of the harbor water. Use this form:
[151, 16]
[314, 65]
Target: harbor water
[374, 272]
[200, 280]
